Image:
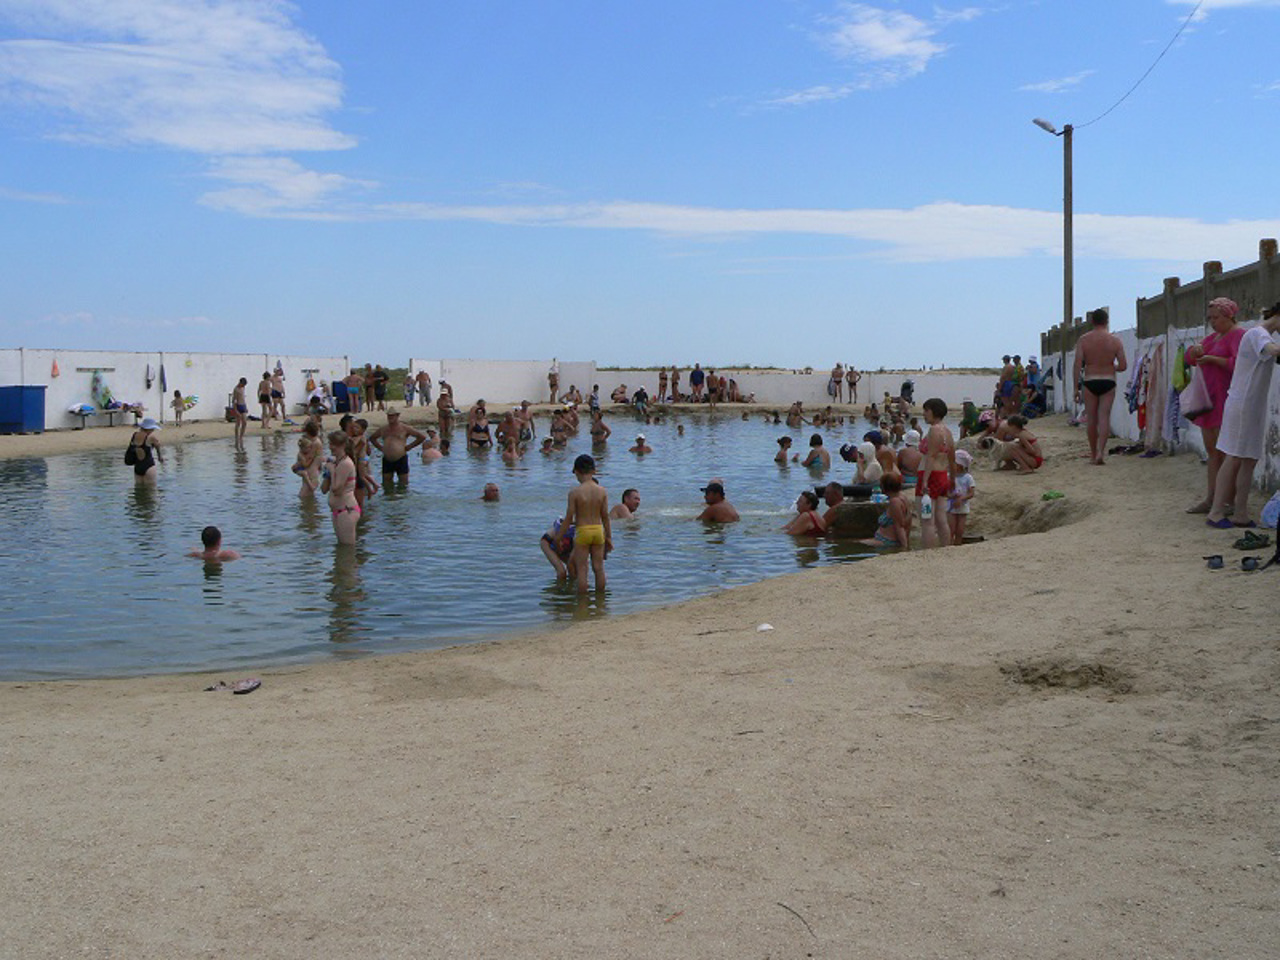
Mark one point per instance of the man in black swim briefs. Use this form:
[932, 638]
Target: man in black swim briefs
[395, 441]
[1099, 357]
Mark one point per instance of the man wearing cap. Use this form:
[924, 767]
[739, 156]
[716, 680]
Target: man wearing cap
[394, 441]
[718, 509]
[641, 447]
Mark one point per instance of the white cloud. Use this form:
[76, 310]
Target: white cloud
[1058, 85]
[931, 233]
[206, 76]
[887, 46]
[816, 94]
[897, 43]
[23, 196]
[267, 185]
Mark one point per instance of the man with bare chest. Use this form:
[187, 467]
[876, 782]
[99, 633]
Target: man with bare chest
[1099, 357]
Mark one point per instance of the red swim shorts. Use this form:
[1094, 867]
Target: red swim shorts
[939, 484]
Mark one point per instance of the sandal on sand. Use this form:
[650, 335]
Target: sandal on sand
[1249, 564]
[1223, 524]
[248, 685]
[1246, 524]
[1215, 561]
[1252, 541]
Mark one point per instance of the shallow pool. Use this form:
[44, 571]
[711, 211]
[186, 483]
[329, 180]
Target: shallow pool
[97, 581]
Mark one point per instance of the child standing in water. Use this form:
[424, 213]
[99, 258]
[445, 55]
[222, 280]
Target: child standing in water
[937, 470]
[962, 492]
[588, 512]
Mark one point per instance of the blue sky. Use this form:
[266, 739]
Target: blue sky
[773, 181]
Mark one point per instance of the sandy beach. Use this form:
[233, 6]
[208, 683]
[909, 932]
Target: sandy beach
[1063, 742]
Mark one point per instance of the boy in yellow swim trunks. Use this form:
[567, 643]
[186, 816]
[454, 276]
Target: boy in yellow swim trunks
[588, 512]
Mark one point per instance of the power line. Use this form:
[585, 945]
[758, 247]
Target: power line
[1185, 23]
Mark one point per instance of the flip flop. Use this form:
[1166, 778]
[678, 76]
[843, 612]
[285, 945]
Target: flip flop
[1249, 564]
[1223, 524]
[1215, 563]
[1247, 524]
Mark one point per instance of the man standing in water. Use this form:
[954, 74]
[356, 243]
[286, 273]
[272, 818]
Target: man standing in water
[394, 441]
[241, 408]
[1099, 357]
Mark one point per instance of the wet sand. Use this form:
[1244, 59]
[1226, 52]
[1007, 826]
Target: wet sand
[1062, 744]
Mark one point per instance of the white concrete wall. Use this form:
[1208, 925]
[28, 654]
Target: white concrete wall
[782, 389]
[211, 376]
[504, 381]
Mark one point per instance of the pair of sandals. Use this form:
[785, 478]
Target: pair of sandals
[1252, 541]
[1247, 564]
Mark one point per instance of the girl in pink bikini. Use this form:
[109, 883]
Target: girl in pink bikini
[340, 484]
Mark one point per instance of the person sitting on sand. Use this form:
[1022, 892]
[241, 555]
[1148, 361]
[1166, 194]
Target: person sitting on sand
[557, 547]
[893, 527]
[627, 506]
[807, 522]
[641, 446]
[211, 538]
[817, 459]
[718, 509]
[1022, 447]
[784, 450]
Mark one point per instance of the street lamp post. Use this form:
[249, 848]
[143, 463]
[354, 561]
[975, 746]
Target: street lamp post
[1068, 248]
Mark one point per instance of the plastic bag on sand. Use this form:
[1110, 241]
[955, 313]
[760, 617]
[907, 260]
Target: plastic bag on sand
[1271, 512]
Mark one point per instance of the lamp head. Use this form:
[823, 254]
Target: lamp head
[1045, 125]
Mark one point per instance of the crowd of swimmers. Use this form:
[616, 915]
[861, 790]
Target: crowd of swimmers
[909, 464]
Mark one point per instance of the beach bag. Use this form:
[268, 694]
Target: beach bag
[1271, 512]
[130, 455]
[1195, 400]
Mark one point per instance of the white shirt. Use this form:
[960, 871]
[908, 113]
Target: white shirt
[1244, 418]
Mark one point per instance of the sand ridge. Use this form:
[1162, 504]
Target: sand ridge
[1063, 744]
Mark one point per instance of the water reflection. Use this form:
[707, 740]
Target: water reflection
[142, 505]
[211, 591]
[346, 594]
[561, 601]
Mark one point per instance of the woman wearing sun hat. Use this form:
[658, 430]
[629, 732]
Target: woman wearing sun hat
[143, 451]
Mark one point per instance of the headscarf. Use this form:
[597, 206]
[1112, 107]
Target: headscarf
[869, 469]
[1226, 305]
[912, 438]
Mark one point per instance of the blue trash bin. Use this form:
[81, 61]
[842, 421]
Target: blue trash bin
[341, 401]
[22, 409]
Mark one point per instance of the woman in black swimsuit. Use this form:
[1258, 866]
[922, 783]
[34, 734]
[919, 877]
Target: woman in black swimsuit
[144, 451]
